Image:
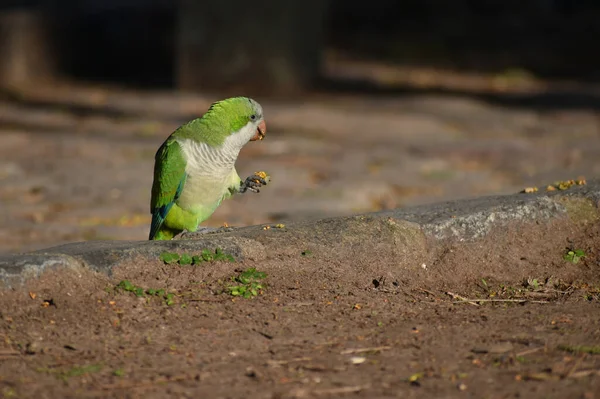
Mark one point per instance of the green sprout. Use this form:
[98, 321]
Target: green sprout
[574, 255]
[248, 283]
[126, 285]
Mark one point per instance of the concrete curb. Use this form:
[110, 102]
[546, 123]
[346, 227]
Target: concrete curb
[400, 231]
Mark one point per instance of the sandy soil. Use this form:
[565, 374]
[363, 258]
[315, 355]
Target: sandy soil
[350, 325]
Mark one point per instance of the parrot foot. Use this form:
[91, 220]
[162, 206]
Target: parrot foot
[253, 182]
[181, 235]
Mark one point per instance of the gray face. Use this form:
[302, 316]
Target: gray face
[258, 112]
[258, 119]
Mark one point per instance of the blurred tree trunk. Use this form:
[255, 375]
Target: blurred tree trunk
[25, 47]
[269, 46]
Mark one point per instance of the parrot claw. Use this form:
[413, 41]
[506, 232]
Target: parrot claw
[252, 183]
[181, 235]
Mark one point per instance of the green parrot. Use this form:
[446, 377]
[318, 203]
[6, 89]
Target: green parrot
[194, 169]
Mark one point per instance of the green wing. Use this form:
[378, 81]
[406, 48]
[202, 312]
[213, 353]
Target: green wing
[169, 179]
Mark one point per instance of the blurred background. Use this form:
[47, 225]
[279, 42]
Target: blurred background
[370, 105]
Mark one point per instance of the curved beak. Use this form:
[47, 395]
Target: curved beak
[261, 131]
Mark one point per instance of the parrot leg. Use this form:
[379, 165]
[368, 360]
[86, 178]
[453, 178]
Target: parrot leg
[252, 183]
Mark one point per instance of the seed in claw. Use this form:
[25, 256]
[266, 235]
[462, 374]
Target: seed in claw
[262, 175]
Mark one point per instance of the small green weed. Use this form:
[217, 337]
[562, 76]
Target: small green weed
[533, 283]
[574, 255]
[76, 371]
[306, 253]
[169, 257]
[249, 285]
[205, 256]
[83, 370]
[119, 373]
[126, 285]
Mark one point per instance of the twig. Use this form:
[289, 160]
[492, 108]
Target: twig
[388, 291]
[284, 362]
[540, 377]
[462, 298]
[530, 351]
[9, 354]
[205, 300]
[583, 373]
[341, 390]
[363, 350]
[428, 292]
[540, 294]
[473, 301]
[575, 366]
[264, 334]
[306, 393]
[503, 300]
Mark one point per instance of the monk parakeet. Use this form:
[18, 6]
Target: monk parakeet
[194, 169]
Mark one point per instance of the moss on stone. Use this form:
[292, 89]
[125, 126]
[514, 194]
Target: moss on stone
[580, 210]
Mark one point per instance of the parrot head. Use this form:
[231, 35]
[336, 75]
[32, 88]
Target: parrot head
[238, 115]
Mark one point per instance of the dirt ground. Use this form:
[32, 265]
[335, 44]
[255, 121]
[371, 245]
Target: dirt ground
[352, 325]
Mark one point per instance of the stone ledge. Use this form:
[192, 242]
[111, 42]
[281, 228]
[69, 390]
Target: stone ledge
[398, 232]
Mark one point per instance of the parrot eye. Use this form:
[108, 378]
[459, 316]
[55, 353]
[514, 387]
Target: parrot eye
[253, 116]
